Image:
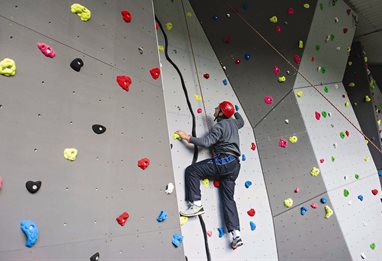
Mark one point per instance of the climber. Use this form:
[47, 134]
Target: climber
[223, 139]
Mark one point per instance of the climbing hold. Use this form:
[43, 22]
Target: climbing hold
[314, 205]
[293, 139]
[350, 63]
[162, 216]
[7, 67]
[299, 94]
[169, 188]
[278, 29]
[324, 114]
[374, 192]
[70, 154]
[177, 239]
[81, 11]
[155, 73]
[124, 81]
[122, 218]
[322, 69]
[225, 82]
[366, 159]
[356, 176]
[380, 173]
[143, 163]
[360, 197]
[199, 110]
[251, 212]
[321, 6]
[215, 18]
[247, 56]
[333, 158]
[46, 50]
[276, 70]
[297, 59]
[243, 158]
[296, 190]
[169, 26]
[306, 6]
[290, 11]
[209, 233]
[346, 193]
[303, 211]
[372, 246]
[198, 97]
[161, 48]
[176, 136]
[237, 61]
[98, 129]
[30, 230]
[345, 30]
[329, 212]
[351, 84]
[323, 200]
[247, 184]
[281, 79]
[314, 172]
[252, 225]
[206, 76]
[189, 14]
[216, 183]
[347, 133]
[126, 16]
[33, 186]
[283, 143]
[288, 202]
[322, 160]
[363, 256]
[236, 107]
[335, 145]
[221, 232]
[268, 99]
[342, 135]
[245, 6]
[367, 99]
[227, 38]
[348, 49]
[273, 19]
[253, 146]
[77, 64]
[347, 104]
[317, 115]
[94, 257]
[1, 182]
[336, 19]
[300, 44]
[183, 220]
[206, 183]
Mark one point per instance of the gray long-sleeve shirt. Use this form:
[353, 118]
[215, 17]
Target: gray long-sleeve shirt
[224, 136]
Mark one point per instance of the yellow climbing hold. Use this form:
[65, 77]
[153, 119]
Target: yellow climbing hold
[367, 98]
[293, 139]
[365, 59]
[169, 26]
[161, 48]
[81, 11]
[273, 19]
[300, 44]
[189, 14]
[347, 104]
[379, 122]
[366, 159]
[306, 6]
[206, 183]
[299, 94]
[314, 172]
[350, 63]
[282, 79]
[176, 136]
[329, 212]
[8, 67]
[351, 84]
[198, 97]
[183, 220]
[288, 202]
[70, 154]
[348, 49]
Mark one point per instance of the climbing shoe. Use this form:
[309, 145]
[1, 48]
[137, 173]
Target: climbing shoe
[236, 242]
[192, 211]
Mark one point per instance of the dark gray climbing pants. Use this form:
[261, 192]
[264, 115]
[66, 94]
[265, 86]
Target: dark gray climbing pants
[226, 170]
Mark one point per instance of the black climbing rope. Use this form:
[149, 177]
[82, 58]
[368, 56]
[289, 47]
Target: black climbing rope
[196, 152]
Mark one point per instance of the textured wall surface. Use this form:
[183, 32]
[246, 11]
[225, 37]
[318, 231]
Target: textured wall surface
[47, 107]
[258, 244]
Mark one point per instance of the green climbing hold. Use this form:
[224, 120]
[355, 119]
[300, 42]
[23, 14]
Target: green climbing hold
[356, 176]
[333, 158]
[324, 114]
[321, 6]
[323, 70]
[342, 135]
[346, 192]
[318, 47]
[326, 89]
[332, 37]
[372, 246]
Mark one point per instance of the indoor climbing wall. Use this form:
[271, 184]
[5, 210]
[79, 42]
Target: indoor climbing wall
[207, 85]
[85, 153]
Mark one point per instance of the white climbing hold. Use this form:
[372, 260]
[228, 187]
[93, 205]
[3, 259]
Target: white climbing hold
[169, 188]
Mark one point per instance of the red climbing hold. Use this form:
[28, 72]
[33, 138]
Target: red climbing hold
[322, 160]
[237, 61]
[313, 58]
[227, 38]
[278, 29]
[216, 183]
[143, 163]
[155, 73]
[283, 143]
[268, 99]
[251, 212]
[276, 70]
[199, 110]
[375, 192]
[124, 82]
[318, 116]
[122, 218]
[253, 146]
[126, 15]
[297, 59]
[290, 11]
[345, 30]
[347, 133]
[206, 75]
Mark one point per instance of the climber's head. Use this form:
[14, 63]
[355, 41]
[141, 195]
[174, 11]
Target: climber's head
[225, 109]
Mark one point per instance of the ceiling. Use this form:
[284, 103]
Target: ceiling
[369, 29]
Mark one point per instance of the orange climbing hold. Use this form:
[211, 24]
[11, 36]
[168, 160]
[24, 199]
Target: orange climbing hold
[124, 81]
[155, 73]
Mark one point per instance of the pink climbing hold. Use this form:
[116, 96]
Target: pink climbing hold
[155, 73]
[283, 143]
[276, 70]
[126, 15]
[199, 110]
[143, 163]
[209, 233]
[314, 205]
[251, 212]
[297, 58]
[46, 50]
[318, 115]
[268, 99]
[206, 75]
[297, 190]
[156, 26]
[253, 146]
[216, 183]
[322, 160]
[124, 81]
[278, 29]
[290, 11]
[375, 192]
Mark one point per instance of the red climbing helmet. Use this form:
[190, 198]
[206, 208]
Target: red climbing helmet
[227, 108]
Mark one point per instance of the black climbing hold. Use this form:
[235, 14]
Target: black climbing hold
[99, 129]
[76, 64]
[33, 186]
[94, 257]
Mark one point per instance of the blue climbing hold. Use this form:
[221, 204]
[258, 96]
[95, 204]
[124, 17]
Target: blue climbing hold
[236, 107]
[221, 231]
[323, 200]
[162, 216]
[248, 184]
[177, 239]
[253, 225]
[215, 18]
[247, 56]
[380, 173]
[245, 6]
[31, 231]
[225, 82]
[243, 158]
[360, 197]
[303, 211]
